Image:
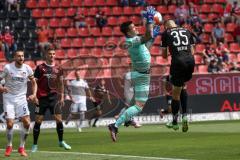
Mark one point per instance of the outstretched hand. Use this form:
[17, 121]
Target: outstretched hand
[149, 14]
[156, 31]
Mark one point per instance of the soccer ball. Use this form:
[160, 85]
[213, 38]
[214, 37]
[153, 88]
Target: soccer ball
[158, 18]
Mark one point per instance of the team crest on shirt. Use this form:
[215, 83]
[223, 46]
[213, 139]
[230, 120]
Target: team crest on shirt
[24, 74]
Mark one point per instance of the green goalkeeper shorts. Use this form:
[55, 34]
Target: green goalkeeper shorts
[141, 82]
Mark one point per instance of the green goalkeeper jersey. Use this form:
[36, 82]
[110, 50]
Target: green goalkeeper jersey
[139, 54]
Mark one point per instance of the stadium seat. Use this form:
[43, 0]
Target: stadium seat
[65, 22]
[83, 32]
[60, 54]
[137, 10]
[230, 27]
[65, 43]
[221, 1]
[160, 60]
[60, 13]
[65, 3]
[157, 70]
[126, 61]
[208, 27]
[238, 57]
[199, 48]
[111, 2]
[172, 9]
[141, 29]
[209, 1]
[96, 52]
[155, 50]
[205, 38]
[117, 32]
[212, 17]
[66, 64]
[232, 57]
[90, 21]
[91, 62]
[60, 32]
[84, 52]
[48, 13]
[54, 23]
[228, 38]
[42, 22]
[89, 3]
[31, 64]
[32, 4]
[107, 31]
[107, 11]
[42, 4]
[71, 12]
[205, 8]
[123, 19]
[136, 20]
[128, 10]
[92, 11]
[77, 42]
[100, 42]
[162, 9]
[112, 21]
[198, 59]
[203, 69]
[158, 41]
[115, 61]
[100, 3]
[77, 3]
[54, 3]
[217, 8]
[234, 48]
[89, 42]
[95, 31]
[107, 73]
[2, 56]
[116, 11]
[78, 62]
[72, 53]
[37, 13]
[72, 32]
[107, 53]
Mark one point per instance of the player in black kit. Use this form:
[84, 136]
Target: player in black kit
[179, 42]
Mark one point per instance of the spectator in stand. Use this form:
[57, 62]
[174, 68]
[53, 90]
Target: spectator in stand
[234, 67]
[137, 2]
[9, 45]
[218, 33]
[43, 39]
[236, 33]
[193, 11]
[223, 67]
[181, 14]
[197, 28]
[124, 3]
[222, 53]
[235, 11]
[80, 20]
[227, 16]
[213, 67]
[13, 5]
[101, 19]
[208, 54]
[1, 43]
[2, 5]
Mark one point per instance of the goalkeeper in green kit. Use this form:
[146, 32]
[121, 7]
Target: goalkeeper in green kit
[138, 48]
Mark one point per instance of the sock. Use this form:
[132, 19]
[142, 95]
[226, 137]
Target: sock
[81, 119]
[23, 136]
[60, 131]
[95, 121]
[127, 115]
[36, 132]
[9, 136]
[184, 97]
[69, 118]
[175, 108]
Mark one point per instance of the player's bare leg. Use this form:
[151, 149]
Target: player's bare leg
[23, 135]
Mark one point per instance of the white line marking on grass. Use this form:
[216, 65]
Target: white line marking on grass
[101, 154]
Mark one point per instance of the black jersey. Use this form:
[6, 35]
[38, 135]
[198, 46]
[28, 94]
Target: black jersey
[178, 40]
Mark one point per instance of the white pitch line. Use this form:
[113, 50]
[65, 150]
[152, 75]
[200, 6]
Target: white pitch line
[107, 155]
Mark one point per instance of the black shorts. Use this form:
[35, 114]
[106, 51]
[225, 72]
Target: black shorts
[97, 105]
[181, 70]
[49, 102]
[169, 99]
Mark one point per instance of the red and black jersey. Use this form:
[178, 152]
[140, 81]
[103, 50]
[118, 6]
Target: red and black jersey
[99, 92]
[178, 40]
[48, 78]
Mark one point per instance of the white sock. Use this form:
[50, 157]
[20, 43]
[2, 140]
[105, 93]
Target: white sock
[23, 136]
[9, 133]
[81, 119]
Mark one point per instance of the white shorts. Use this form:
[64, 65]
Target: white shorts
[78, 107]
[15, 107]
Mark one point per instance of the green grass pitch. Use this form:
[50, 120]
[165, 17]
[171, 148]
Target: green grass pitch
[218, 140]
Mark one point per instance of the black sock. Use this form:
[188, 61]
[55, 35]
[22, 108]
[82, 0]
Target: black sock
[36, 132]
[175, 109]
[184, 97]
[95, 121]
[60, 131]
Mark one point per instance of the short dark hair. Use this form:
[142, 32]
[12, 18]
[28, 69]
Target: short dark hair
[125, 27]
[18, 50]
